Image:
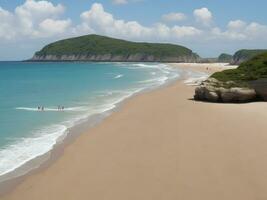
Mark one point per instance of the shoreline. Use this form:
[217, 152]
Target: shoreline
[11, 179]
[150, 150]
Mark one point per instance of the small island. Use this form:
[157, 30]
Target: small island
[102, 48]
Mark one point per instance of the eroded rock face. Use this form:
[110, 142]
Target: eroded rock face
[115, 58]
[206, 94]
[260, 87]
[212, 91]
[237, 94]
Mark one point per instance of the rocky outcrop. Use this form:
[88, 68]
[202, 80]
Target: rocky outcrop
[214, 91]
[248, 82]
[260, 87]
[115, 58]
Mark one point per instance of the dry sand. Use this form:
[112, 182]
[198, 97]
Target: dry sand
[162, 146]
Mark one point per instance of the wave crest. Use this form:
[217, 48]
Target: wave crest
[51, 109]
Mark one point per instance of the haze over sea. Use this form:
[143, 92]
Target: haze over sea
[84, 89]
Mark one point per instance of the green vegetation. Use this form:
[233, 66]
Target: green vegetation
[255, 68]
[225, 58]
[100, 45]
[245, 54]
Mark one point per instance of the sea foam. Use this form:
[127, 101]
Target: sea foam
[51, 109]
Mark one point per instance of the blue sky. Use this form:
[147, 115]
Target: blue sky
[208, 27]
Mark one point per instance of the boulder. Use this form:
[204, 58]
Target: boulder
[237, 95]
[213, 91]
[205, 94]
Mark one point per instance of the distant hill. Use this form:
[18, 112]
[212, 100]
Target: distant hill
[208, 60]
[225, 58]
[101, 48]
[245, 54]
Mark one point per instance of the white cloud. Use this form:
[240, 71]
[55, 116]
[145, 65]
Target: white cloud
[39, 9]
[5, 15]
[185, 31]
[256, 31]
[236, 25]
[119, 1]
[240, 30]
[33, 19]
[174, 17]
[6, 19]
[97, 20]
[50, 27]
[203, 15]
[228, 34]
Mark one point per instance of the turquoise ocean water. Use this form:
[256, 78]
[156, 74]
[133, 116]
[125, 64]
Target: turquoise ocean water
[84, 89]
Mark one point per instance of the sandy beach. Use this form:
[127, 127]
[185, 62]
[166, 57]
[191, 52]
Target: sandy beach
[162, 145]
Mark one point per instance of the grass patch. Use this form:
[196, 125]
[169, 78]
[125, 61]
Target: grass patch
[254, 69]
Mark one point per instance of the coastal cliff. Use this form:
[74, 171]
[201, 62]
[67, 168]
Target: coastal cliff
[245, 55]
[115, 58]
[101, 48]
